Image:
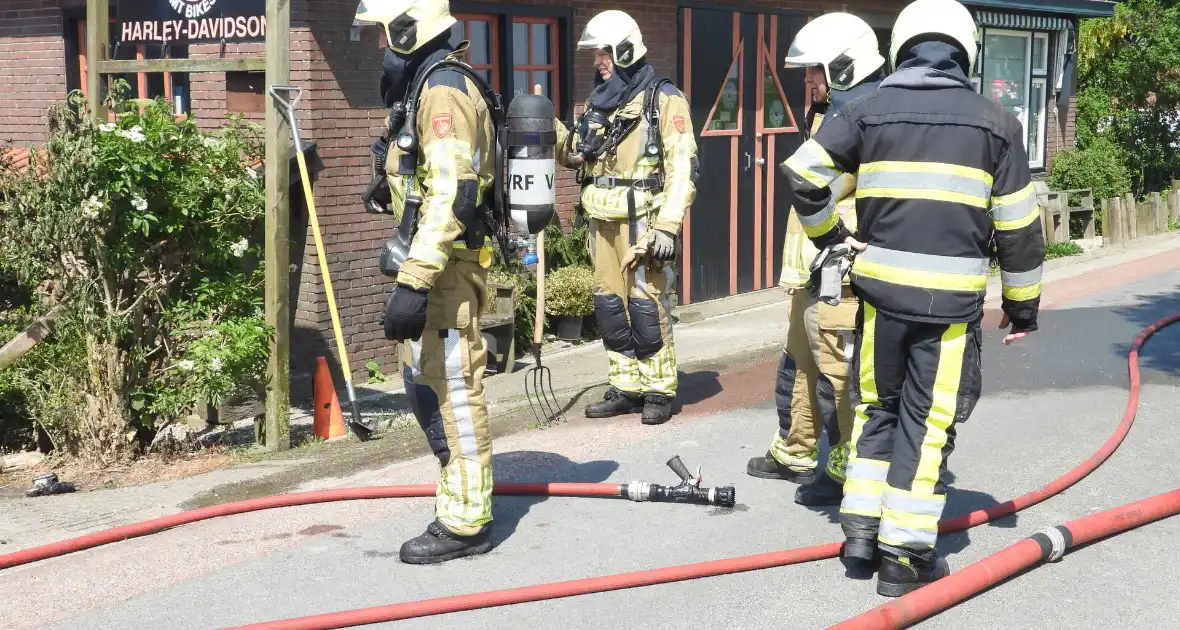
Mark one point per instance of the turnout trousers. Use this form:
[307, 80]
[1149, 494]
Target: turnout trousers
[443, 374]
[633, 312]
[810, 388]
[912, 383]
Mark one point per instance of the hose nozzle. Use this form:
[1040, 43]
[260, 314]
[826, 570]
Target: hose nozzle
[689, 490]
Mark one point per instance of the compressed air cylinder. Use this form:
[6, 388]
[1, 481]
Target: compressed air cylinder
[532, 139]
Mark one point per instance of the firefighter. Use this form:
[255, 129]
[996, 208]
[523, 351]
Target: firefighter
[636, 161]
[839, 54]
[940, 171]
[441, 285]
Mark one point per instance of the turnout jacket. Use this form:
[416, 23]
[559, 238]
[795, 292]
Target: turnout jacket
[941, 171]
[798, 250]
[604, 198]
[456, 142]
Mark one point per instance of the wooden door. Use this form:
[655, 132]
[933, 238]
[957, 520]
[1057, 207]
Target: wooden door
[744, 108]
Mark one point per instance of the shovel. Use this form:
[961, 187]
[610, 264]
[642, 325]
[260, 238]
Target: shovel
[358, 427]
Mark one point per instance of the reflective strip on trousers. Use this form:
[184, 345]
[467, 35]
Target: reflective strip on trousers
[864, 487]
[925, 180]
[910, 520]
[926, 271]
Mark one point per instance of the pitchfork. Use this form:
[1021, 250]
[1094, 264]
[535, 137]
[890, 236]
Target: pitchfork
[538, 384]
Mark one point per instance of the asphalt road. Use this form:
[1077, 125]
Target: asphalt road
[1048, 404]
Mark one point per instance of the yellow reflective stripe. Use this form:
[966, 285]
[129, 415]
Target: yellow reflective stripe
[820, 223]
[1020, 286]
[868, 385]
[925, 167]
[922, 279]
[922, 193]
[811, 162]
[943, 406]
[679, 191]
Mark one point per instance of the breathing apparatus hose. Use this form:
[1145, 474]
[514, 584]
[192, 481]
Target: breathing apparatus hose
[898, 613]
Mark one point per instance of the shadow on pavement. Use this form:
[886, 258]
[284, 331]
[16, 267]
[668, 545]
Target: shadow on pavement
[696, 387]
[1162, 352]
[537, 466]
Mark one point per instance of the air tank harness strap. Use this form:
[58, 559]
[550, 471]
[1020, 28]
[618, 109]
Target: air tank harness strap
[645, 184]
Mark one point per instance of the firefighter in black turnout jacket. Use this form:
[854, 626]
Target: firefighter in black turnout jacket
[637, 164]
[941, 172]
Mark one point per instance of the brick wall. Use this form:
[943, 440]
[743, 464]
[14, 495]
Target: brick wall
[32, 68]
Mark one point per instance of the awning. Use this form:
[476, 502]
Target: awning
[1065, 8]
[1022, 21]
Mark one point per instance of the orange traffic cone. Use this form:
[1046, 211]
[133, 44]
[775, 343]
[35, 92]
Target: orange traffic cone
[328, 422]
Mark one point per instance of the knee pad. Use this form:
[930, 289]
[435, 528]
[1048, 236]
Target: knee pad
[645, 327]
[611, 315]
[424, 404]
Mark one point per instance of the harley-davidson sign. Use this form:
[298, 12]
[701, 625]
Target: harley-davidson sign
[191, 21]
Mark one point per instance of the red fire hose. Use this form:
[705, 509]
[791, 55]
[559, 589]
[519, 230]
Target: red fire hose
[900, 612]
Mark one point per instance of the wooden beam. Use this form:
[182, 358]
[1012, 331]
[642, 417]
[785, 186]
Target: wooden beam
[98, 37]
[131, 66]
[277, 435]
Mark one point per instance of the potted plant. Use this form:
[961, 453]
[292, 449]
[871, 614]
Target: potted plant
[569, 296]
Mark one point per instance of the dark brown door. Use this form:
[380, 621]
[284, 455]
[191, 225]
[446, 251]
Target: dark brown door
[744, 109]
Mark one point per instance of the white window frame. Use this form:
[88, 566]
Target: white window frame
[1040, 77]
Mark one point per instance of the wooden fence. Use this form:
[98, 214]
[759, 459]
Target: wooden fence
[1123, 219]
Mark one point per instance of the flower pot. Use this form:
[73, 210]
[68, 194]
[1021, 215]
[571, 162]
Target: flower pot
[568, 327]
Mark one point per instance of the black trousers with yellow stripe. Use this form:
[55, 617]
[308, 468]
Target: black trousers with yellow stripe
[912, 382]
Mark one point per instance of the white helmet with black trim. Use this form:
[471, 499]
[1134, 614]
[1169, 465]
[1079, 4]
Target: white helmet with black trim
[942, 20]
[617, 33]
[844, 45]
[408, 24]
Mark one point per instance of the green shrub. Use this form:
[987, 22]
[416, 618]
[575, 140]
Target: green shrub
[1098, 167]
[570, 291]
[144, 223]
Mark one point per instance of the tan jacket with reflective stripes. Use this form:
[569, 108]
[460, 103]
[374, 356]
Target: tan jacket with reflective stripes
[456, 141]
[630, 162]
[798, 250]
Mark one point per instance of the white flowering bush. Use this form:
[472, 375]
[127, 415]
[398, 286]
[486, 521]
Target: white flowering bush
[147, 226]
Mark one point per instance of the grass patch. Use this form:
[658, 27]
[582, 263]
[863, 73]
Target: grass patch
[1060, 250]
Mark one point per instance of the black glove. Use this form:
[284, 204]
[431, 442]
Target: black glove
[405, 313]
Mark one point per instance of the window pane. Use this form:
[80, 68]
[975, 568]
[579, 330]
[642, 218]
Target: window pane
[774, 110]
[1036, 149]
[1005, 69]
[542, 77]
[540, 45]
[1040, 53]
[481, 42]
[726, 115]
[155, 85]
[520, 82]
[457, 30]
[520, 44]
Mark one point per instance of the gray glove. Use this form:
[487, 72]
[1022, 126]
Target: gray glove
[663, 246]
[831, 264]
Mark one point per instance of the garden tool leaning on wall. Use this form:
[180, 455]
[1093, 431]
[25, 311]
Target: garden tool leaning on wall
[358, 427]
[532, 140]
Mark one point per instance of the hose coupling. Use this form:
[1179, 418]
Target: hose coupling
[638, 491]
[1057, 543]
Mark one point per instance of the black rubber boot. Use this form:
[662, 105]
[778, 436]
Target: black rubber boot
[767, 467]
[657, 409]
[901, 574]
[822, 491]
[860, 549]
[437, 544]
[615, 403]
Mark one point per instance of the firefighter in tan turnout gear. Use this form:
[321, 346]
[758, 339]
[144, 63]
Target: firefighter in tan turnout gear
[839, 53]
[440, 291]
[636, 158]
[941, 172]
